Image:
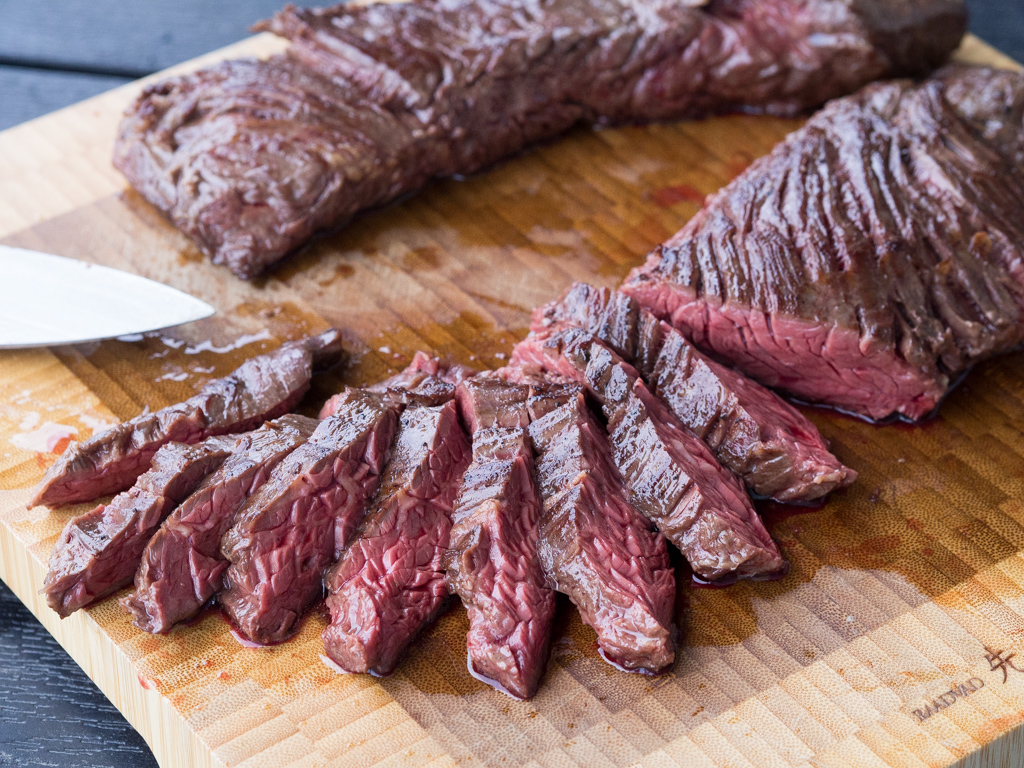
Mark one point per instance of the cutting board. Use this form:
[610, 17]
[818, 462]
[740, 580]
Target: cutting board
[890, 643]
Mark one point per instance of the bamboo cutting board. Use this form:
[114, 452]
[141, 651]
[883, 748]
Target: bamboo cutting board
[891, 642]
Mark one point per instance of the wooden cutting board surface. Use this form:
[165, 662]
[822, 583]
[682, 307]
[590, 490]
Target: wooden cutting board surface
[889, 644]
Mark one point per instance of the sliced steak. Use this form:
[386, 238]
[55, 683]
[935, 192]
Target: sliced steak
[595, 546]
[262, 388]
[492, 562]
[752, 431]
[97, 553]
[389, 583]
[672, 477]
[182, 566]
[869, 260]
[425, 381]
[373, 100]
[287, 534]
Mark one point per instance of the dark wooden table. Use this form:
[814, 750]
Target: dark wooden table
[56, 53]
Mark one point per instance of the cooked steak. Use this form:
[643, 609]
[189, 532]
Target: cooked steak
[287, 534]
[752, 431]
[595, 546]
[492, 562]
[425, 381]
[872, 257]
[251, 158]
[97, 553]
[671, 475]
[182, 565]
[389, 583]
[262, 388]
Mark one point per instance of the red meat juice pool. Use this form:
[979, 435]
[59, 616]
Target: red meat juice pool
[638, 671]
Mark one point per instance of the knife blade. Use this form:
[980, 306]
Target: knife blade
[47, 300]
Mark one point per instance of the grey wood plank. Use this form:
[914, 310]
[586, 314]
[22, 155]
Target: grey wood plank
[1000, 23]
[28, 93]
[133, 36]
[51, 714]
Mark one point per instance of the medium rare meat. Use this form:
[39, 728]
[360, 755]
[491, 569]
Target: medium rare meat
[389, 583]
[595, 546]
[287, 534]
[262, 388]
[752, 431]
[869, 260]
[182, 566]
[97, 553]
[425, 381]
[492, 562]
[251, 158]
[671, 475]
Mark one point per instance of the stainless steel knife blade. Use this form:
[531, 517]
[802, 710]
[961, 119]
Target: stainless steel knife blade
[46, 300]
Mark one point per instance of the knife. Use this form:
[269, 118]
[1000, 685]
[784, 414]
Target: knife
[46, 299]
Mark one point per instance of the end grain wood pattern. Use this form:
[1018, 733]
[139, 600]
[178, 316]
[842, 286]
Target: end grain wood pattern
[891, 642]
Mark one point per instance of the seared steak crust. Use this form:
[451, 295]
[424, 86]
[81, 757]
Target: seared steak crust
[492, 562]
[766, 442]
[97, 553]
[671, 475]
[389, 584]
[872, 257]
[251, 158]
[425, 381]
[289, 532]
[262, 388]
[182, 566]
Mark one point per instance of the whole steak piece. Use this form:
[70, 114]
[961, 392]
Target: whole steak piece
[873, 257]
[251, 158]
[182, 565]
[389, 584]
[595, 547]
[752, 431]
[262, 388]
[97, 553]
[671, 475]
[286, 536]
[492, 562]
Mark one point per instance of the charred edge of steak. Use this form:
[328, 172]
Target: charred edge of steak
[97, 553]
[425, 381]
[492, 562]
[886, 260]
[770, 445]
[182, 566]
[287, 534]
[595, 547]
[404, 535]
[672, 477]
[371, 102]
[262, 388]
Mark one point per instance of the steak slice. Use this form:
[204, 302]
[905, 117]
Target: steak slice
[595, 547]
[752, 431]
[389, 584]
[672, 477]
[287, 534]
[97, 553]
[873, 257]
[262, 388]
[492, 562]
[372, 101]
[182, 565]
